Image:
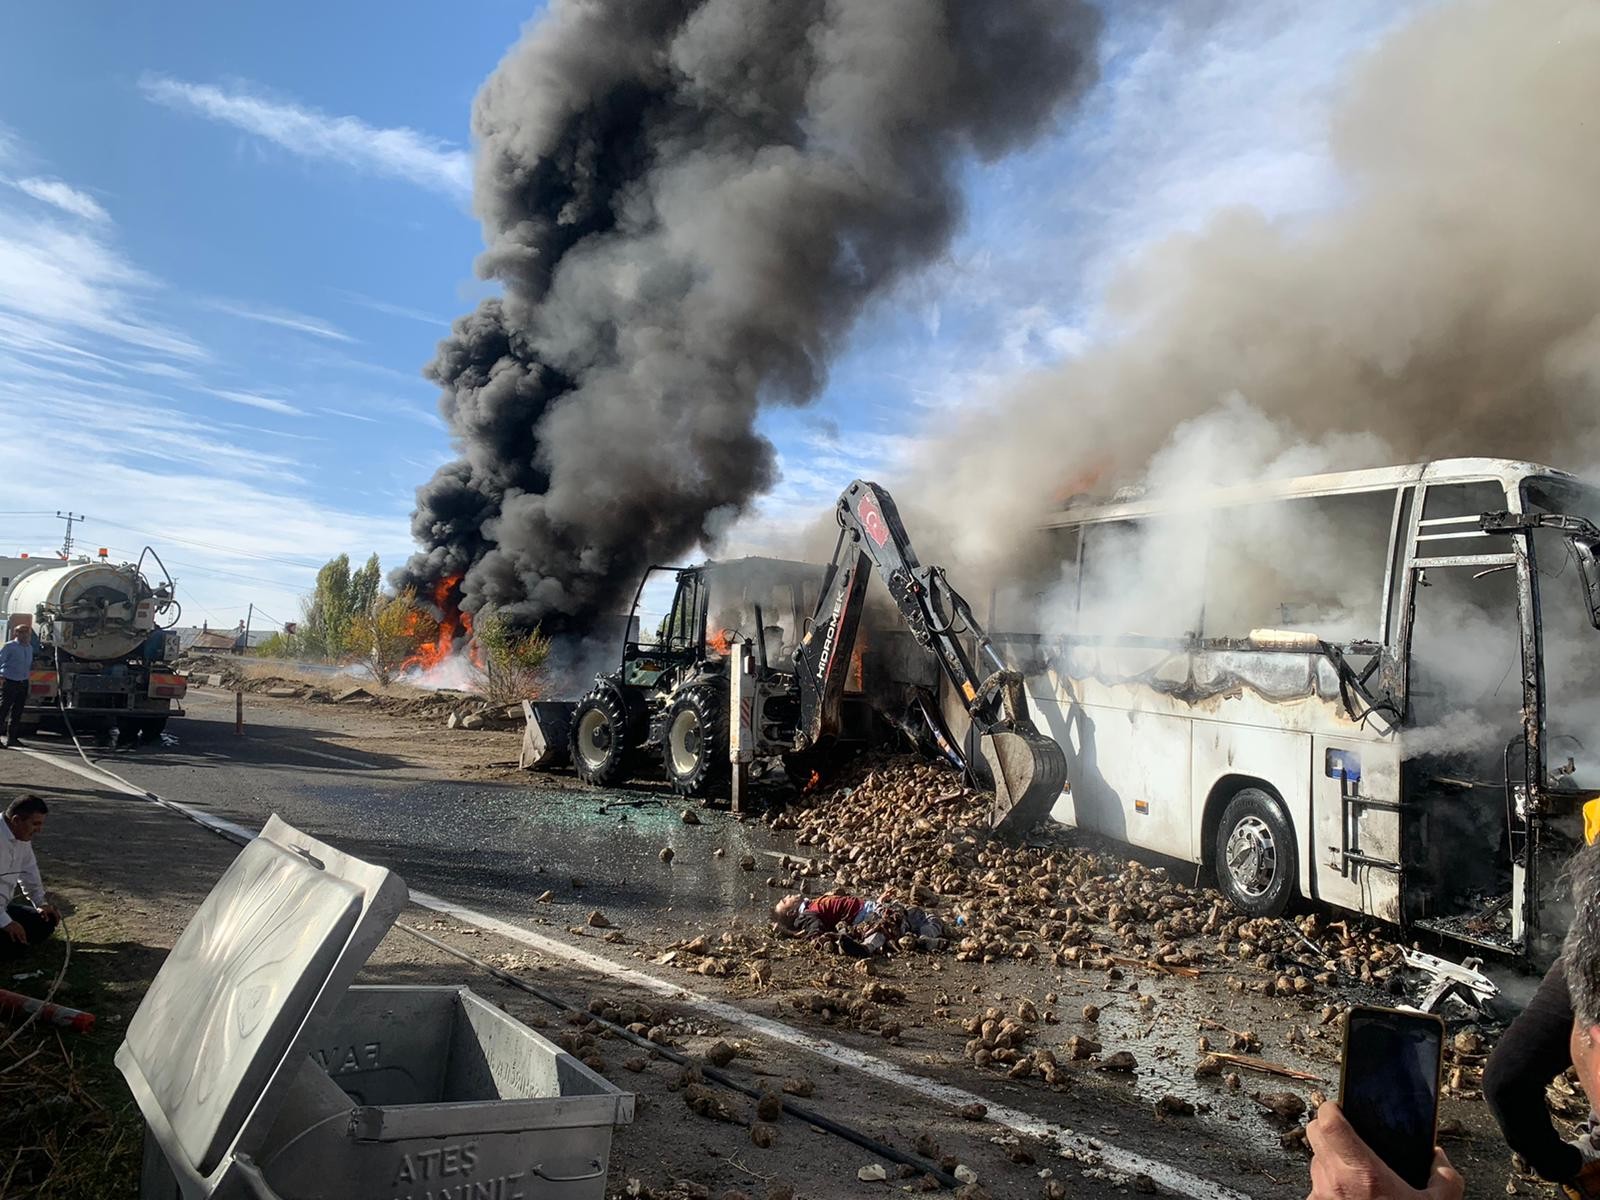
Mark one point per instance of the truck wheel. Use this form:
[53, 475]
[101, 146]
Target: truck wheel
[600, 739]
[694, 745]
[1254, 854]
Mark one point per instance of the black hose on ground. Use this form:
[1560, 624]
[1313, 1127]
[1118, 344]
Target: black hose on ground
[711, 1073]
[827, 1124]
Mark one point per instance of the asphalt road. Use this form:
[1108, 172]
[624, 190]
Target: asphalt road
[355, 780]
[488, 845]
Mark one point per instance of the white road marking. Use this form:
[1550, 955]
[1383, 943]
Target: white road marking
[107, 779]
[1176, 1179]
[322, 754]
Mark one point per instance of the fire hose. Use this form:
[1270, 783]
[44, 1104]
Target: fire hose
[52, 1014]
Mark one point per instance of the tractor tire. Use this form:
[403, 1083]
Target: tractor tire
[1254, 854]
[600, 749]
[694, 744]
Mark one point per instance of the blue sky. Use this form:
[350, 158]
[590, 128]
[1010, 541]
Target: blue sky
[230, 236]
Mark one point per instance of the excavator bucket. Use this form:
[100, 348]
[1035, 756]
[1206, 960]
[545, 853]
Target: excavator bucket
[1029, 770]
[546, 739]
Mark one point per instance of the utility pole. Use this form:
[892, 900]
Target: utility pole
[69, 517]
[248, 617]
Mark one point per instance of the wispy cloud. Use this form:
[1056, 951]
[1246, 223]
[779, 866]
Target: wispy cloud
[285, 319]
[392, 310]
[90, 367]
[65, 197]
[163, 370]
[350, 416]
[255, 400]
[69, 285]
[399, 153]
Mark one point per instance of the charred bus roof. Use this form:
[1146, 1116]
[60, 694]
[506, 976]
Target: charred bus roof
[1132, 503]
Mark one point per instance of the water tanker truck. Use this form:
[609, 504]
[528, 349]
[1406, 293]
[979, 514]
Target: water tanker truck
[102, 643]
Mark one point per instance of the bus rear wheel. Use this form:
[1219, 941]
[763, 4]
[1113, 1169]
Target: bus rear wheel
[1254, 854]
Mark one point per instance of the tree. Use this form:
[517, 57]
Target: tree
[332, 607]
[389, 630]
[514, 658]
[365, 586]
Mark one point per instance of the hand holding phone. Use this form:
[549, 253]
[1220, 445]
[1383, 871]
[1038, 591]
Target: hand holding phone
[1389, 1086]
[1345, 1168]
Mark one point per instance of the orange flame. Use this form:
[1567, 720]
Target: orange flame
[453, 624]
[816, 778]
[1085, 481]
[718, 643]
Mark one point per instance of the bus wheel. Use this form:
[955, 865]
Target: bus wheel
[1254, 854]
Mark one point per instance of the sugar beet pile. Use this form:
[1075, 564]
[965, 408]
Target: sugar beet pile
[1043, 910]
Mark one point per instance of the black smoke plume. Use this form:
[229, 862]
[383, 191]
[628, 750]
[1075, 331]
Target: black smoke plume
[688, 203]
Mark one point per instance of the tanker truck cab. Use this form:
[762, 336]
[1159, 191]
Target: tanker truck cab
[102, 644]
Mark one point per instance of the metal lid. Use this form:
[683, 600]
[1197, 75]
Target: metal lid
[222, 1030]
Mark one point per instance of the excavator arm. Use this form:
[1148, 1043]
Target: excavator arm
[1028, 769]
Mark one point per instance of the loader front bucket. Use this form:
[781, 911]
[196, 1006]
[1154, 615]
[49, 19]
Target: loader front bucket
[547, 739]
[1029, 770]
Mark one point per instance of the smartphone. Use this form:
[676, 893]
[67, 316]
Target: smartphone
[1389, 1086]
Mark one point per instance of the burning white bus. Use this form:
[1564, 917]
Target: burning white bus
[1373, 689]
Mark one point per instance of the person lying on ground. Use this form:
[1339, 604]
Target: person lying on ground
[23, 926]
[864, 926]
[1345, 1168]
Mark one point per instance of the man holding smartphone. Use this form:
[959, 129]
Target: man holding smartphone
[1346, 1168]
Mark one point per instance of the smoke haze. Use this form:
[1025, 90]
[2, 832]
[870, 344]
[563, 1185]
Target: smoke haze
[1445, 304]
[688, 204]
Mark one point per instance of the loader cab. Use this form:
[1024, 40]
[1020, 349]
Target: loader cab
[667, 629]
[687, 615]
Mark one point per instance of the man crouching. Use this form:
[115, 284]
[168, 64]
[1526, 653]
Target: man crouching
[862, 927]
[22, 925]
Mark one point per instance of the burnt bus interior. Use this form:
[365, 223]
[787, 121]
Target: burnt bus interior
[1465, 753]
[1483, 654]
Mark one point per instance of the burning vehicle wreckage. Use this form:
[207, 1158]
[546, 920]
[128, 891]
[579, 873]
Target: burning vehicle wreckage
[1383, 770]
[751, 665]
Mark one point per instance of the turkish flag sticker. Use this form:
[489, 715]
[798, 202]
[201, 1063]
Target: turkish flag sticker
[872, 519]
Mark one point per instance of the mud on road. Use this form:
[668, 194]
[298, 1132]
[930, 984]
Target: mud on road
[1081, 990]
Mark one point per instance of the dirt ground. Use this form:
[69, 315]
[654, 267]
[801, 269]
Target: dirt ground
[111, 863]
[109, 868]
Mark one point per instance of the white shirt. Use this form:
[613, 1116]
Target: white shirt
[17, 865]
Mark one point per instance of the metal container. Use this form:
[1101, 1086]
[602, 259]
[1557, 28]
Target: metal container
[262, 1074]
[90, 610]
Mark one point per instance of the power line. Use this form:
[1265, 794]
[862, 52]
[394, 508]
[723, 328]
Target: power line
[261, 613]
[168, 537]
[217, 571]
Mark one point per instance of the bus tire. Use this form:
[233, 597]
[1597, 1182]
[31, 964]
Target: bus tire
[1254, 854]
